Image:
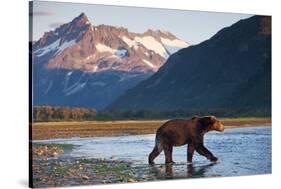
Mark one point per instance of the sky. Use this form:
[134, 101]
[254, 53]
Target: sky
[191, 26]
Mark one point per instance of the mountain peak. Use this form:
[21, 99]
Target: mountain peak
[105, 47]
[82, 15]
[160, 33]
[63, 36]
[81, 20]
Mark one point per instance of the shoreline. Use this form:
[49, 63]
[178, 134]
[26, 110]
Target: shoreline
[52, 171]
[83, 129]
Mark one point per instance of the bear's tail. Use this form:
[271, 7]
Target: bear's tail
[158, 142]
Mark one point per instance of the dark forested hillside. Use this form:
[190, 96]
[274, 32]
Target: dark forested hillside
[229, 72]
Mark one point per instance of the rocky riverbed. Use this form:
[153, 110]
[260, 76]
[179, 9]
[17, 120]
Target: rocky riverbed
[49, 170]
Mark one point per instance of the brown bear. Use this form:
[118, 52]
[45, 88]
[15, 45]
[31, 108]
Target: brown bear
[178, 132]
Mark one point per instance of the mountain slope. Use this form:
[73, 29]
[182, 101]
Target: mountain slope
[79, 64]
[230, 71]
[81, 89]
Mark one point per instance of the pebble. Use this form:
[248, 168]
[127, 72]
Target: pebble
[131, 180]
[55, 154]
[85, 177]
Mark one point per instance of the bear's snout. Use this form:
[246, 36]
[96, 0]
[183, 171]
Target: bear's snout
[221, 127]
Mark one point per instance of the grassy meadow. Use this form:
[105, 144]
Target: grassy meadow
[48, 130]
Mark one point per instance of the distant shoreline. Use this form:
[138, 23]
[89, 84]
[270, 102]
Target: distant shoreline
[68, 129]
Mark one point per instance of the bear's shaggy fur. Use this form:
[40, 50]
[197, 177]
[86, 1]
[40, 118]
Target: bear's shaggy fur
[179, 132]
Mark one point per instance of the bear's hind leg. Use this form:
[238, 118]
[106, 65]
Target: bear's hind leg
[168, 150]
[190, 152]
[155, 152]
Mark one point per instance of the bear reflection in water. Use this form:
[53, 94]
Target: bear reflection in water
[167, 171]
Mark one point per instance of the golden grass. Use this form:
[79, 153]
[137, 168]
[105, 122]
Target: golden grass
[47, 130]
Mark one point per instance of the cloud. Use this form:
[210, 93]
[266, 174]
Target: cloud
[56, 24]
[40, 13]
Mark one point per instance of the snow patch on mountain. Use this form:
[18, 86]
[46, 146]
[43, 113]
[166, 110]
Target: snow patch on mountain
[103, 48]
[65, 45]
[174, 42]
[92, 56]
[51, 47]
[55, 46]
[95, 68]
[151, 44]
[160, 48]
[129, 42]
[121, 52]
[49, 87]
[116, 52]
[76, 88]
[174, 45]
[148, 63]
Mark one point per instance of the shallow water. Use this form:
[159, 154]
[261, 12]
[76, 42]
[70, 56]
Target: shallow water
[241, 151]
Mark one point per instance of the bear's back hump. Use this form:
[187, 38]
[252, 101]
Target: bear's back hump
[173, 124]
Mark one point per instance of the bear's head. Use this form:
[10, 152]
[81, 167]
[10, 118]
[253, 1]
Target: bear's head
[211, 123]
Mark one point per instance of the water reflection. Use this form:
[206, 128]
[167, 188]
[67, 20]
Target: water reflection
[199, 171]
[170, 171]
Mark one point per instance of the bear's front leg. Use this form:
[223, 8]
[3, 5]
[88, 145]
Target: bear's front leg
[168, 150]
[202, 150]
[190, 152]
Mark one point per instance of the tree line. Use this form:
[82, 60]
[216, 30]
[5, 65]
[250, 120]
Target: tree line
[49, 113]
[180, 113]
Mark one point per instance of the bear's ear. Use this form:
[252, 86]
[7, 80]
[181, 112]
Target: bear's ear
[208, 120]
[213, 119]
